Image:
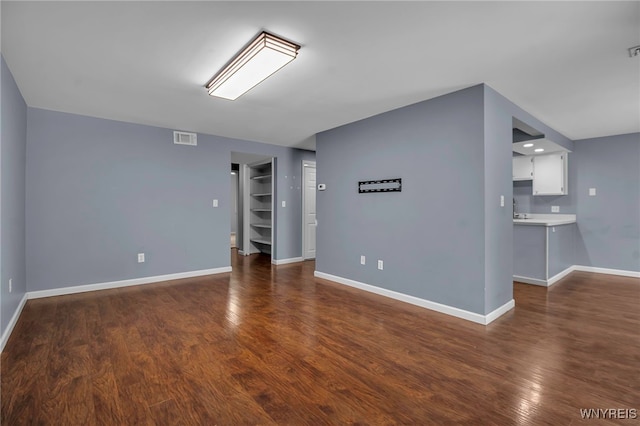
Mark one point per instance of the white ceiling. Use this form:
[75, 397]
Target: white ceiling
[147, 62]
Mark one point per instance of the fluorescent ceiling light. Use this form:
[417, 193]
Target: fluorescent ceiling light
[539, 149]
[262, 57]
[527, 145]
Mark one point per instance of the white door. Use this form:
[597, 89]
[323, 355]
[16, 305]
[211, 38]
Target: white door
[309, 210]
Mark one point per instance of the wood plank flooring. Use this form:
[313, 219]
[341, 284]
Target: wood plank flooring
[274, 345]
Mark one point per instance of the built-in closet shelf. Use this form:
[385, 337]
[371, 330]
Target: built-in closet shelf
[265, 242]
[260, 202]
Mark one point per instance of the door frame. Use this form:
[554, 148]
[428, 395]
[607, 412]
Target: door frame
[304, 182]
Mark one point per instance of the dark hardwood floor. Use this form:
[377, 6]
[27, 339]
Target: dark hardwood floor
[274, 345]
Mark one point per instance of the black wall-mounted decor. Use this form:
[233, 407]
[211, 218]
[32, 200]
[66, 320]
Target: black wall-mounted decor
[383, 185]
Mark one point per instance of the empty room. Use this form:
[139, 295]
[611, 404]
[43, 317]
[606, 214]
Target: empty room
[319, 212]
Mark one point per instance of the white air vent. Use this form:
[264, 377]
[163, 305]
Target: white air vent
[184, 138]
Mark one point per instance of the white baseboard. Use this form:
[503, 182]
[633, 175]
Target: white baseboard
[286, 261]
[434, 306]
[544, 283]
[497, 313]
[12, 322]
[620, 272]
[124, 283]
[551, 281]
[561, 275]
[527, 280]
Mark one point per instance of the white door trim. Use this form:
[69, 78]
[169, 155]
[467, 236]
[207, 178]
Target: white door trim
[304, 239]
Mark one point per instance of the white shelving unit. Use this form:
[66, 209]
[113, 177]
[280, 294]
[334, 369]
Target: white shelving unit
[261, 207]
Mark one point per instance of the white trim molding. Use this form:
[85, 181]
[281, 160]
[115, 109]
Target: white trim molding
[622, 273]
[498, 312]
[551, 281]
[287, 261]
[434, 306]
[557, 277]
[12, 322]
[527, 280]
[545, 283]
[124, 283]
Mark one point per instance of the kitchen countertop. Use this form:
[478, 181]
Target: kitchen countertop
[545, 219]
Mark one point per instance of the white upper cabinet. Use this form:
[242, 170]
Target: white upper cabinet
[550, 174]
[523, 167]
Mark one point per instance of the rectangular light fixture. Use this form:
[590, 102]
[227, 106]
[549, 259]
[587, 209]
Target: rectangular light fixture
[262, 57]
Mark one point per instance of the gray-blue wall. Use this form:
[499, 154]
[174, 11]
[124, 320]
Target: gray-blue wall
[609, 223]
[608, 231]
[100, 191]
[530, 255]
[445, 238]
[431, 236]
[498, 145]
[13, 138]
[562, 252]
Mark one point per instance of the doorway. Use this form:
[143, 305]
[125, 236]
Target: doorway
[235, 190]
[254, 206]
[309, 222]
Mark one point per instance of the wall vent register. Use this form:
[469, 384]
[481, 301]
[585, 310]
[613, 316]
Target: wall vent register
[185, 138]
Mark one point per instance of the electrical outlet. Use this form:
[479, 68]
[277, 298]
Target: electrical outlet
[215, 203]
[380, 265]
[363, 260]
[555, 209]
[502, 201]
[10, 285]
[140, 257]
[284, 203]
[592, 192]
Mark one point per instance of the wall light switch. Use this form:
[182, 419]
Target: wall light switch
[502, 201]
[555, 209]
[380, 265]
[215, 203]
[592, 192]
[284, 203]
[140, 257]
[10, 285]
[363, 260]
